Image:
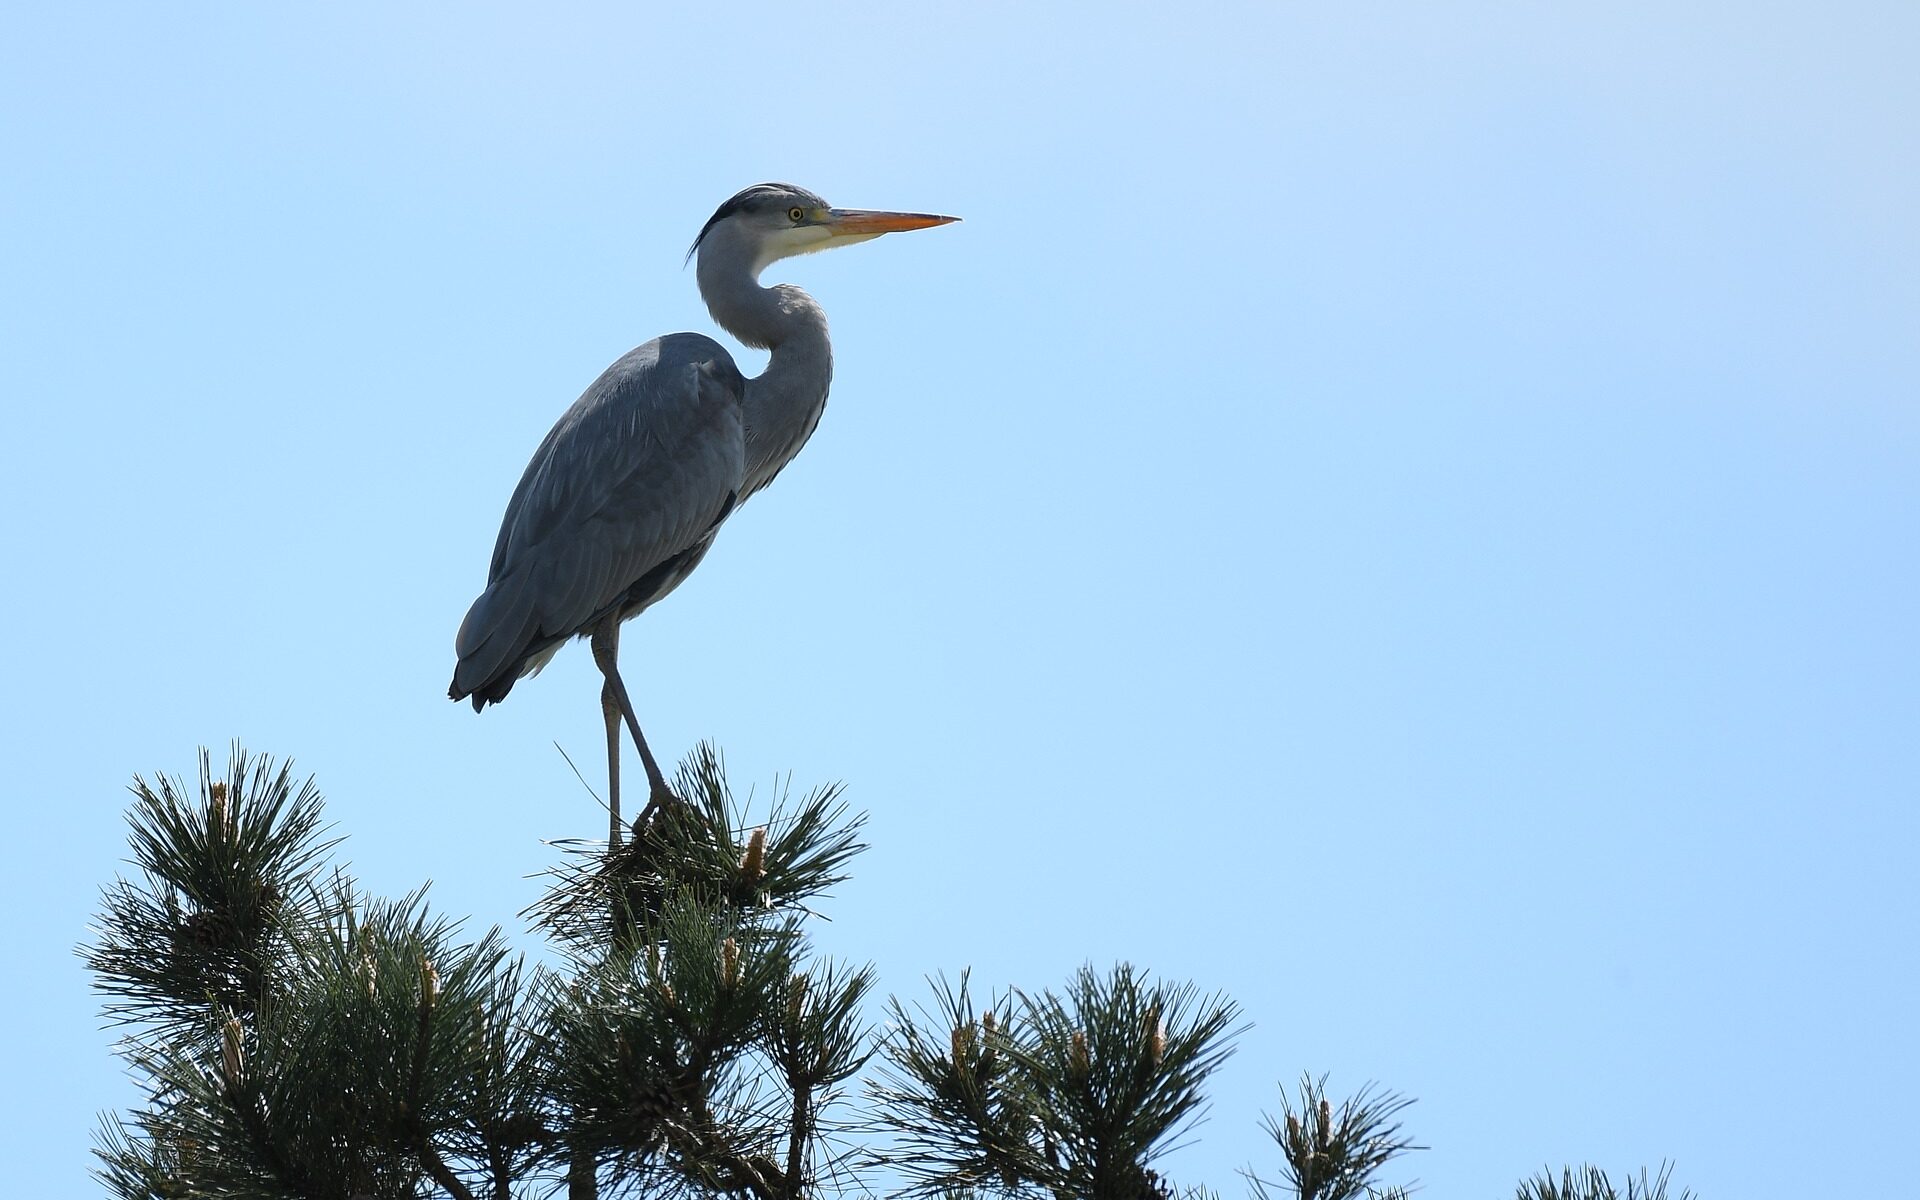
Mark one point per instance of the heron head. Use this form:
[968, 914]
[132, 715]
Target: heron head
[772, 221]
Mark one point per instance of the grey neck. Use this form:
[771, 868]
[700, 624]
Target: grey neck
[783, 403]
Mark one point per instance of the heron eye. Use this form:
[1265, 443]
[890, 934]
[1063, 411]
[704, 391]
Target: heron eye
[797, 213]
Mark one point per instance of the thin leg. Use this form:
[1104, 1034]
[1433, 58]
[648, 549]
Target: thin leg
[610, 709]
[606, 653]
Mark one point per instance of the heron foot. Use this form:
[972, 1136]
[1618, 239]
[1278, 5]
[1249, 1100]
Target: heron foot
[660, 804]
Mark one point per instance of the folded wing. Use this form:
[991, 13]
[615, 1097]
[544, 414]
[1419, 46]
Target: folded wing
[617, 505]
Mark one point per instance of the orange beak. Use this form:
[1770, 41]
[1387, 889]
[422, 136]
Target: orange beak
[858, 221]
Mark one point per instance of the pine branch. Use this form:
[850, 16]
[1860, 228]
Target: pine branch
[1334, 1154]
[1077, 1095]
[298, 1038]
[959, 1119]
[710, 848]
[438, 1171]
[1591, 1183]
[226, 878]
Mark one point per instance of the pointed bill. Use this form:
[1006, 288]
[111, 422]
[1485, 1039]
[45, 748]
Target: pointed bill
[869, 222]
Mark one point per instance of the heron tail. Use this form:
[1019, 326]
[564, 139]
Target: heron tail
[493, 642]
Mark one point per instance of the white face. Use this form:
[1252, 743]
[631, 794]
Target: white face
[790, 240]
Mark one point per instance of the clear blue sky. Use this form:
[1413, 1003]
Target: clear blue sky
[1404, 514]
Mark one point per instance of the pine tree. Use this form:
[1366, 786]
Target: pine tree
[298, 1038]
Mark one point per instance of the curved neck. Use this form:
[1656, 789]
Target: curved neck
[783, 403]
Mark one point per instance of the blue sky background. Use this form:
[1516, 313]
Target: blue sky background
[1405, 515]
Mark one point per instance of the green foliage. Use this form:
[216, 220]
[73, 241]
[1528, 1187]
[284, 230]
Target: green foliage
[798, 853]
[386, 1050]
[661, 1055]
[1072, 1095]
[1333, 1152]
[298, 1038]
[1591, 1183]
[227, 878]
[698, 1048]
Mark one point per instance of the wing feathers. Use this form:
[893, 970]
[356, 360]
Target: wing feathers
[638, 471]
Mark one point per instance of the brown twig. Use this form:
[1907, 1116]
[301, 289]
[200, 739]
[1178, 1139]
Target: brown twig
[442, 1175]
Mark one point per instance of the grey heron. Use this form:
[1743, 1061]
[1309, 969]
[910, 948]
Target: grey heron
[623, 498]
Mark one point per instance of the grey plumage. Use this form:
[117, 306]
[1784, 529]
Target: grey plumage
[624, 496]
[636, 477]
